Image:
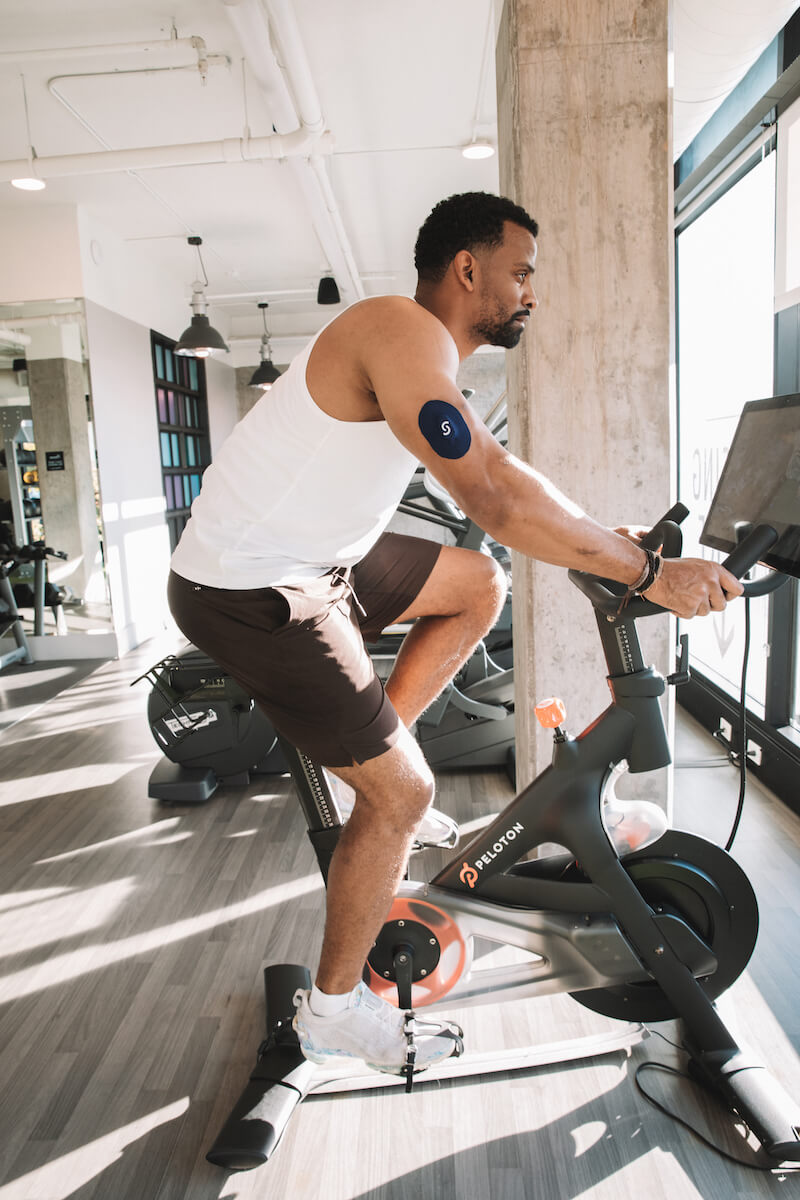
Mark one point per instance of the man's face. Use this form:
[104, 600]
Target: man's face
[506, 294]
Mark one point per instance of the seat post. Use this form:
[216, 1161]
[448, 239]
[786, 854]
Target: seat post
[318, 803]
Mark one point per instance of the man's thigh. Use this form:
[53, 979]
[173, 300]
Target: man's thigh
[390, 577]
[306, 667]
[459, 579]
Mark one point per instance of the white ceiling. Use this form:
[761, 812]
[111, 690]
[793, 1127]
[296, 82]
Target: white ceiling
[401, 88]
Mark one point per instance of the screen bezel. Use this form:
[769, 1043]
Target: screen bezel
[778, 562]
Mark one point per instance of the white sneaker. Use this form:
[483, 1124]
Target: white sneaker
[435, 828]
[373, 1030]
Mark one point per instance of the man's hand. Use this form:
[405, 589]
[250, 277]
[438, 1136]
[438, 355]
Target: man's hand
[693, 587]
[634, 533]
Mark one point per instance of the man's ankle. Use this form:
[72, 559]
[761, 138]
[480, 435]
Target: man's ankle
[327, 1004]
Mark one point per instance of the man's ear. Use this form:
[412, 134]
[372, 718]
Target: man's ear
[464, 266]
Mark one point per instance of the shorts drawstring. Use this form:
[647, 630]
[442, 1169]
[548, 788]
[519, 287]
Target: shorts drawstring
[343, 573]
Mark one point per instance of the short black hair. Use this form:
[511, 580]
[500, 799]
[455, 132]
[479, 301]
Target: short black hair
[464, 222]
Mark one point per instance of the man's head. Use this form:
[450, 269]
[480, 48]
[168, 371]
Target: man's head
[467, 221]
[485, 245]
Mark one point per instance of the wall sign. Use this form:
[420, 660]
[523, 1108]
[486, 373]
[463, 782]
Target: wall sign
[54, 460]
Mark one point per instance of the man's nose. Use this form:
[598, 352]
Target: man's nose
[530, 298]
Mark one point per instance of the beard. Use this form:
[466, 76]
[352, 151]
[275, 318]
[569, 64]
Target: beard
[494, 331]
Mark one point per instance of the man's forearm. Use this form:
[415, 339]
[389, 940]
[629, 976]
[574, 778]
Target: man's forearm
[531, 515]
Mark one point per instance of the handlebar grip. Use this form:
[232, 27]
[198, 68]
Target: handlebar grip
[678, 513]
[750, 550]
[606, 596]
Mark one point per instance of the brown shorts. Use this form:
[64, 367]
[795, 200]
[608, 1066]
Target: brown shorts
[299, 651]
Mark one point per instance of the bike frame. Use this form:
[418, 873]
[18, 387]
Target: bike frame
[583, 935]
[573, 928]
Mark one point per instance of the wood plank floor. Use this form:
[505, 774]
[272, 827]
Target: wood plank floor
[133, 938]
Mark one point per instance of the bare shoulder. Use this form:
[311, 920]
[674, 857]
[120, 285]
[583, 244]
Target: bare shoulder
[369, 337]
[386, 317]
[371, 341]
[388, 327]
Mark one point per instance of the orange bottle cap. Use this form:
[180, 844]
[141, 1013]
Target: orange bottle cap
[551, 713]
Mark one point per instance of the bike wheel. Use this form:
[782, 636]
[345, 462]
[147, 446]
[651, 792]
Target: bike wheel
[690, 878]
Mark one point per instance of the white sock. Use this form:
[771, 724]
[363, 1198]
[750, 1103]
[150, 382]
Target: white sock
[322, 1004]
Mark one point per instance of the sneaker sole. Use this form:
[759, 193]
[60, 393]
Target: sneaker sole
[322, 1057]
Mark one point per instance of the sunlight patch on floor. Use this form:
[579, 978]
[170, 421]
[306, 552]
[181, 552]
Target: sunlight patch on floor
[54, 783]
[63, 1176]
[156, 838]
[47, 921]
[32, 896]
[71, 965]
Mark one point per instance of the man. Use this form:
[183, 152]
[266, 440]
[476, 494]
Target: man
[302, 491]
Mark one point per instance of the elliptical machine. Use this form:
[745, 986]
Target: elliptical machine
[43, 594]
[210, 730]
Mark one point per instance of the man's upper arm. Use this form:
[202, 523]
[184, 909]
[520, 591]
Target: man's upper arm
[412, 373]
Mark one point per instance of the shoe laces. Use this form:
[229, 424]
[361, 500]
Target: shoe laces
[367, 999]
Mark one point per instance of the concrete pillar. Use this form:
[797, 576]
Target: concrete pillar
[585, 140]
[60, 428]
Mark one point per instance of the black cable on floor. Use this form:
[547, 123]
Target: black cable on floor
[657, 1066]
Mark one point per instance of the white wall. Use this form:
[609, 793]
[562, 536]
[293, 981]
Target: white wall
[51, 252]
[39, 250]
[222, 405]
[126, 435]
[136, 278]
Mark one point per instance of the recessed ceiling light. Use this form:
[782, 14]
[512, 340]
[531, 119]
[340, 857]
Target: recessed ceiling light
[478, 149]
[28, 185]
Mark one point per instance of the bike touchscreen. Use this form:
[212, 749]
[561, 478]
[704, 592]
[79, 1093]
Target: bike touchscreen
[760, 483]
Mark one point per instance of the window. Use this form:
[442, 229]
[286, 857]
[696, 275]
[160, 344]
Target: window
[180, 386]
[738, 325]
[725, 337]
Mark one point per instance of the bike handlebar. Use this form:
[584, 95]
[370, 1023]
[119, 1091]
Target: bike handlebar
[606, 594]
[665, 534]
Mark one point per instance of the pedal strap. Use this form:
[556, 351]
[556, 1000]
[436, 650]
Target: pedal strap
[409, 1029]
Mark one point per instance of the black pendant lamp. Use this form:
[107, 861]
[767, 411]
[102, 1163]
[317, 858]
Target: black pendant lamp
[265, 375]
[200, 339]
[328, 292]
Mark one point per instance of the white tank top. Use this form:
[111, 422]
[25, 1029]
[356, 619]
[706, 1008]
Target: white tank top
[292, 492]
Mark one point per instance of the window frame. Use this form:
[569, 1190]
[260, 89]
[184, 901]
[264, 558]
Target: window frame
[776, 735]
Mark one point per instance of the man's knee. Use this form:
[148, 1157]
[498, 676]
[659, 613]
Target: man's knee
[398, 786]
[416, 795]
[413, 786]
[490, 587]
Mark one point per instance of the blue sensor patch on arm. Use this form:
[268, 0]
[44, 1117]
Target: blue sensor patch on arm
[445, 429]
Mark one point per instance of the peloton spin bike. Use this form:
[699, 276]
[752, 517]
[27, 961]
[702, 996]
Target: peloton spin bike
[655, 935]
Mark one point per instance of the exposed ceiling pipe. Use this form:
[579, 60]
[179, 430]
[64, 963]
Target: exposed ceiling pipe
[204, 62]
[161, 46]
[249, 22]
[99, 162]
[292, 100]
[14, 324]
[9, 336]
[342, 250]
[295, 63]
[273, 293]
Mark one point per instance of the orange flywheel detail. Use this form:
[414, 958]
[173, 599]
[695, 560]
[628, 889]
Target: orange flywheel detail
[551, 713]
[431, 932]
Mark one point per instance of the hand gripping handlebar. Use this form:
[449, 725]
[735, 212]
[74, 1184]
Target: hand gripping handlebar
[606, 595]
